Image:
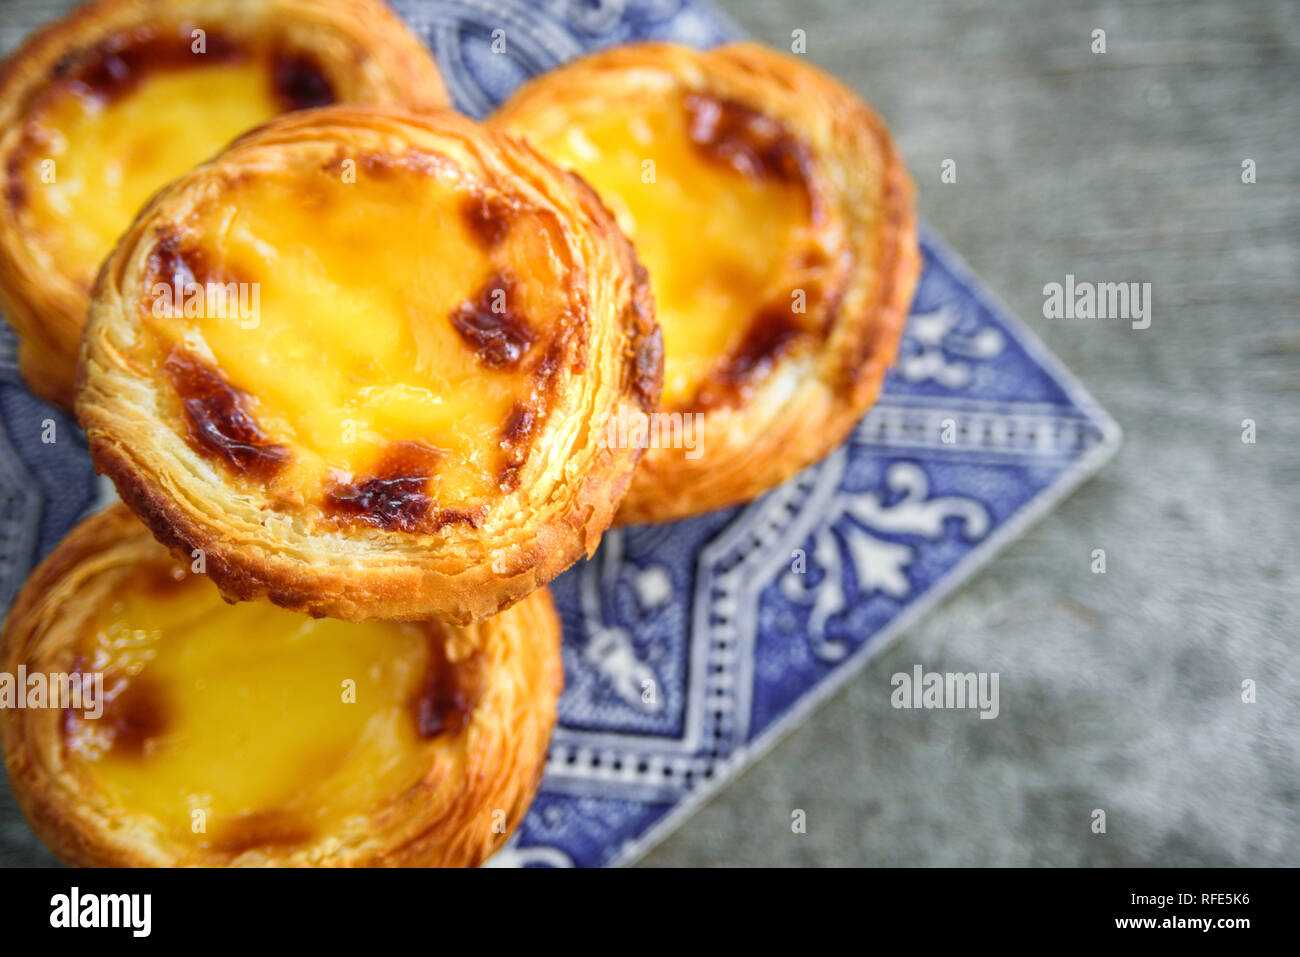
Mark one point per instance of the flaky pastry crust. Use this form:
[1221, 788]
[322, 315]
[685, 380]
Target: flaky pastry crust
[385, 551]
[809, 395]
[476, 787]
[354, 51]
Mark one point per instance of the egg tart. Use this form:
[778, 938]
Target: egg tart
[101, 109]
[363, 360]
[175, 729]
[774, 215]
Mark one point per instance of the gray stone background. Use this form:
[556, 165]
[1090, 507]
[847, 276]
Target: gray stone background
[1119, 691]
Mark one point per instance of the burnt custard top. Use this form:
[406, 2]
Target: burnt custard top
[182, 730]
[724, 205]
[131, 113]
[366, 358]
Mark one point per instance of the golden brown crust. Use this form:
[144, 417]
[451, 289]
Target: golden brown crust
[809, 402]
[564, 495]
[365, 51]
[449, 819]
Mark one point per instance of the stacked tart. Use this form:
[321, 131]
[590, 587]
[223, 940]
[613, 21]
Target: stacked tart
[250, 735]
[371, 375]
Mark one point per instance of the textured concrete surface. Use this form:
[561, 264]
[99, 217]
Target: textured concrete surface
[1121, 691]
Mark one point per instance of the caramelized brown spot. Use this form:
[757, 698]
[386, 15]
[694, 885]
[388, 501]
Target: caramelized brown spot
[134, 713]
[395, 495]
[299, 82]
[646, 359]
[648, 370]
[173, 264]
[261, 829]
[516, 436]
[546, 372]
[196, 286]
[508, 479]
[525, 418]
[488, 217]
[491, 327]
[449, 692]
[117, 65]
[458, 516]
[217, 418]
[746, 139]
[397, 502]
[751, 142]
[772, 333]
[15, 190]
[518, 427]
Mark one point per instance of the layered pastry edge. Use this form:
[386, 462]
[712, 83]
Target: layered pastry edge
[608, 366]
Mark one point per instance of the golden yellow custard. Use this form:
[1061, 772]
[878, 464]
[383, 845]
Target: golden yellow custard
[719, 231]
[234, 727]
[200, 733]
[378, 331]
[93, 160]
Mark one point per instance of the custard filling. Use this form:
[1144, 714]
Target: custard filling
[717, 201]
[234, 727]
[129, 117]
[385, 349]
